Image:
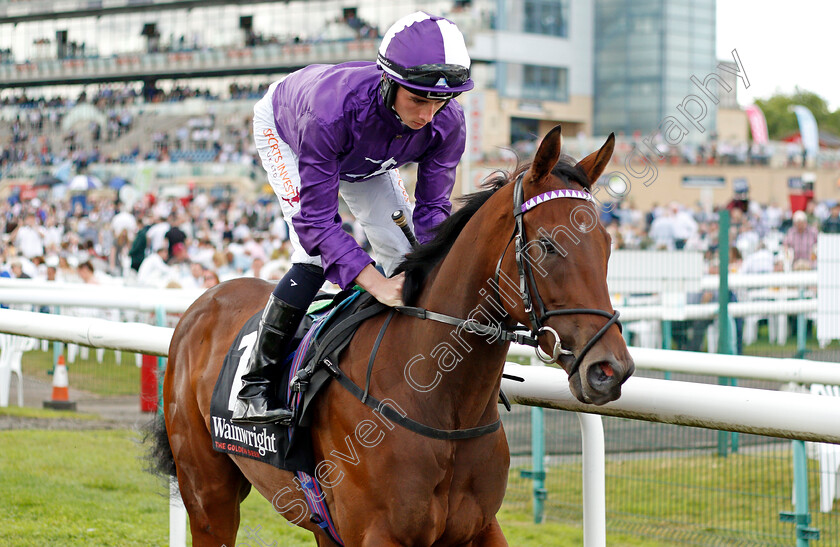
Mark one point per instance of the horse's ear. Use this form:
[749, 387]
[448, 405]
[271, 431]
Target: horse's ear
[595, 163]
[547, 155]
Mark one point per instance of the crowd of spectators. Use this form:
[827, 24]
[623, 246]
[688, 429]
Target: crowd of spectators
[764, 237]
[196, 240]
[37, 138]
[187, 243]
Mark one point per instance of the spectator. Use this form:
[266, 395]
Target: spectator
[210, 279]
[684, 226]
[831, 225]
[124, 222]
[157, 233]
[29, 238]
[17, 272]
[154, 272]
[137, 252]
[194, 279]
[760, 261]
[662, 230]
[51, 271]
[175, 235]
[90, 275]
[800, 241]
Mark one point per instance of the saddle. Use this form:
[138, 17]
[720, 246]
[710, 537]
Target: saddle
[324, 332]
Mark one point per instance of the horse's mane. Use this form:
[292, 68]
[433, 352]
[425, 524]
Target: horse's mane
[418, 263]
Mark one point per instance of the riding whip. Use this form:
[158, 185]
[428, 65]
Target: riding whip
[399, 219]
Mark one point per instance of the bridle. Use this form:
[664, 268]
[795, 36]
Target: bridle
[534, 305]
[528, 291]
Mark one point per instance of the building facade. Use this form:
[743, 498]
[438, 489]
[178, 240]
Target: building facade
[645, 53]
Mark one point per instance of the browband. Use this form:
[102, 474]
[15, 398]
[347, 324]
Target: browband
[555, 194]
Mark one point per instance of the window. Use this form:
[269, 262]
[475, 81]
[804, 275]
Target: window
[523, 129]
[549, 17]
[545, 83]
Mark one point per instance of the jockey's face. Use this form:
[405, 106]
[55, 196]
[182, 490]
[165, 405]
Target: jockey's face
[415, 111]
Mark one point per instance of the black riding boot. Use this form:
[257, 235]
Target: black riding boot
[277, 326]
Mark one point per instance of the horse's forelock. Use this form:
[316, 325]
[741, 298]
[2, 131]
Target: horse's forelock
[567, 168]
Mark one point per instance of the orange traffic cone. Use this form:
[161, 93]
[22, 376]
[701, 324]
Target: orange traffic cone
[60, 388]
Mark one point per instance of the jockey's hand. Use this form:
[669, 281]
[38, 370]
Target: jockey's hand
[387, 290]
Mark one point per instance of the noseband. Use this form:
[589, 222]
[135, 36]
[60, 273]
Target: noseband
[534, 306]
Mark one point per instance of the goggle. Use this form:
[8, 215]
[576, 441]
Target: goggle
[430, 75]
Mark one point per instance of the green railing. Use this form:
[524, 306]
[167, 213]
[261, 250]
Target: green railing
[683, 485]
[668, 482]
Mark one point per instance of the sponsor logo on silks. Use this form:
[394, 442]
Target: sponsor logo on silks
[401, 184]
[257, 440]
[294, 198]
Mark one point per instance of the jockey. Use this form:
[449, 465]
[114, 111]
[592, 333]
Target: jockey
[344, 129]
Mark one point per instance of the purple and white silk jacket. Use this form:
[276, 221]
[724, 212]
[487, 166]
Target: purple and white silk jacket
[333, 117]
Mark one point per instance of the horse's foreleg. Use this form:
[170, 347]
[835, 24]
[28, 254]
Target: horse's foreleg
[490, 536]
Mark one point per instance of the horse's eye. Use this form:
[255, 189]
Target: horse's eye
[548, 246]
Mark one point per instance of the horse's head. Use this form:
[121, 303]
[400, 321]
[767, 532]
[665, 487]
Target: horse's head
[561, 251]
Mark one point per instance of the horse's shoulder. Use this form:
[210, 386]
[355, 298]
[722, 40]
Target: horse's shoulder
[227, 300]
[240, 289]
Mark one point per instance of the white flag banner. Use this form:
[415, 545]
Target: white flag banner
[808, 130]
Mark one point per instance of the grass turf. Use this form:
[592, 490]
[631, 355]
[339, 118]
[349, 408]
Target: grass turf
[89, 488]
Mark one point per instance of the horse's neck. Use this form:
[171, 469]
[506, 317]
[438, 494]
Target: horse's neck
[460, 287]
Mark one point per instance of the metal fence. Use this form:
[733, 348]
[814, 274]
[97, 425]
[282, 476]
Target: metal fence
[671, 483]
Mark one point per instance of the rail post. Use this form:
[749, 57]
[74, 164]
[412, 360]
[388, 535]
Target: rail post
[594, 480]
[667, 335]
[724, 345]
[801, 331]
[537, 471]
[801, 515]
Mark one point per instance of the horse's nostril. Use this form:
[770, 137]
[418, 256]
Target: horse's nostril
[602, 374]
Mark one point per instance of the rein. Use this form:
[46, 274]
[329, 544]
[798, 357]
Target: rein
[327, 352]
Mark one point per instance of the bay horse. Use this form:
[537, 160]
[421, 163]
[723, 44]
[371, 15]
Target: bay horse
[386, 485]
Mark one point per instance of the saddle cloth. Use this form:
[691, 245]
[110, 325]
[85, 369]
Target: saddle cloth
[287, 448]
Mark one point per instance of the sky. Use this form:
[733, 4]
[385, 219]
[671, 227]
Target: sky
[782, 44]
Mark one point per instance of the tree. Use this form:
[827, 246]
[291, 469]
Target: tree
[781, 121]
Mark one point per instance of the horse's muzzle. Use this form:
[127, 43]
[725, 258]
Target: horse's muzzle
[599, 379]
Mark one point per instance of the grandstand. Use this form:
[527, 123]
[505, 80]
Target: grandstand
[125, 88]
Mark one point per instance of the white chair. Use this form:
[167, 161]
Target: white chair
[828, 456]
[12, 348]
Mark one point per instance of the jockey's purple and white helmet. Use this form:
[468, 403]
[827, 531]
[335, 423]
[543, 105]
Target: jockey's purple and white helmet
[427, 55]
